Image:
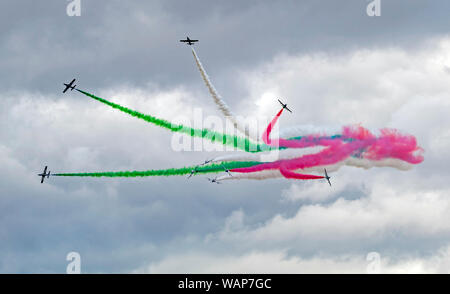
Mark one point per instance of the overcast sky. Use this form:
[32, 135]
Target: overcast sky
[334, 64]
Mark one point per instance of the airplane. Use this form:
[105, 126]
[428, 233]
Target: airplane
[189, 41]
[327, 177]
[44, 174]
[214, 181]
[193, 172]
[206, 161]
[227, 171]
[284, 106]
[69, 86]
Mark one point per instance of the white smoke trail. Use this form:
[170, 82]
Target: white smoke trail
[223, 107]
[270, 156]
[303, 130]
[351, 161]
[261, 175]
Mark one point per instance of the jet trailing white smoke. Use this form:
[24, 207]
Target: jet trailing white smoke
[223, 107]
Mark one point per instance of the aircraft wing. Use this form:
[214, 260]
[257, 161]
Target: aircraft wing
[288, 109]
[45, 170]
[327, 177]
[67, 88]
[42, 179]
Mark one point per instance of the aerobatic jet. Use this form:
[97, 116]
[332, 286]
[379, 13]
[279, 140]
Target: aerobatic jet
[207, 161]
[193, 172]
[284, 106]
[44, 174]
[327, 177]
[227, 171]
[189, 41]
[69, 86]
[214, 181]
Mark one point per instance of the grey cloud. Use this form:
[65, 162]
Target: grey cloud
[119, 225]
[136, 43]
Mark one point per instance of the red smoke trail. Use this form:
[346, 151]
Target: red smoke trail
[354, 139]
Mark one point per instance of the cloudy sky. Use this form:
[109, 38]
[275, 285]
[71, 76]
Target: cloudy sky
[334, 64]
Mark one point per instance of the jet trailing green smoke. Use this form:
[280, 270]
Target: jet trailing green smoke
[237, 142]
[211, 168]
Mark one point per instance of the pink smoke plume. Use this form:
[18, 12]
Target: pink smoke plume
[355, 141]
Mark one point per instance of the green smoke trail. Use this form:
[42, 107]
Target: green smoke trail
[212, 168]
[237, 142]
